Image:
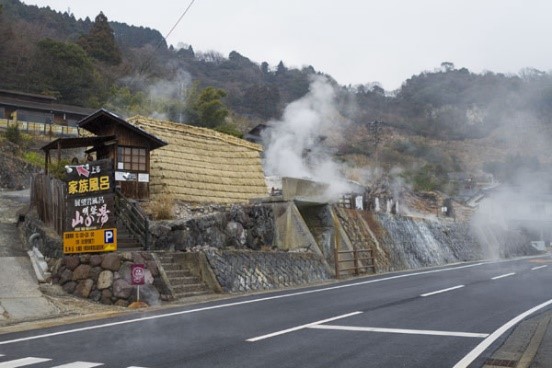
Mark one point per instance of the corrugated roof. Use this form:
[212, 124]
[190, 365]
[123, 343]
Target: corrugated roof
[201, 165]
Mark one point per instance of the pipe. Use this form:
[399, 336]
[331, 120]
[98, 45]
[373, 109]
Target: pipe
[32, 238]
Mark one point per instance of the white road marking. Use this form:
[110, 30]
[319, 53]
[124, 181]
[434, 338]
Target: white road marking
[228, 305]
[479, 349]
[22, 362]
[538, 268]
[78, 365]
[502, 276]
[443, 290]
[277, 333]
[400, 331]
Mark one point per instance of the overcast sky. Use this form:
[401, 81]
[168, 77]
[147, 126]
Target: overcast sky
[355, 41]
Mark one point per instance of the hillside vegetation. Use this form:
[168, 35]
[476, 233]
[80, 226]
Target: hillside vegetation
[439, 121]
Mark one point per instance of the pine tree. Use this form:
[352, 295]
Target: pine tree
[99, 43]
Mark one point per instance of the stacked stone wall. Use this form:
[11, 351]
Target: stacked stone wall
[238, 271]
[106, 278]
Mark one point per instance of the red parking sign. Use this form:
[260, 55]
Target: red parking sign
[138, 274]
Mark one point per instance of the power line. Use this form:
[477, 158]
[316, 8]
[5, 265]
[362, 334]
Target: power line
[149, 60]
[179, 19]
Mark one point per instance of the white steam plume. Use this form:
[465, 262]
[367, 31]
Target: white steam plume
[294, 144]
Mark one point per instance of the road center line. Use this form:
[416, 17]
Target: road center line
[538, 267]
[401, 331]
[502, 276]
[443, 290]
[277, 333]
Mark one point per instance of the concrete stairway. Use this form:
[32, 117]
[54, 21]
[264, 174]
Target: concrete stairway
[125, 240]
[351, 221]
[182, 283]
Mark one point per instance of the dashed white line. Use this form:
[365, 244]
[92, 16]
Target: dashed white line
[277, 333]
[22, 362]
[79, 365]
[443, 290]
[502, 276]
[401, 331]
[538, 267]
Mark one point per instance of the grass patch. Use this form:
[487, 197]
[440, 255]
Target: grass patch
[34, 158]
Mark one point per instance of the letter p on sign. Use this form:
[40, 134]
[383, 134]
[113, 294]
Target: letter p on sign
[109, 237]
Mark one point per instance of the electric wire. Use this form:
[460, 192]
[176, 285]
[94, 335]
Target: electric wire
[147, 63]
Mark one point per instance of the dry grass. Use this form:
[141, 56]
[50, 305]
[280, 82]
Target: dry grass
[162, 207]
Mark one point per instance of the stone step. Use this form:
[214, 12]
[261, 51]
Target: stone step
[190, 294]
[172, 267]
[185, 276]
[179, 289]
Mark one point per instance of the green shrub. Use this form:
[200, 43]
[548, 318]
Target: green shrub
[34, 158]
[13, 134]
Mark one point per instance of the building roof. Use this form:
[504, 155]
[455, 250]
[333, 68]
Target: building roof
[96, 123]
[81, 142]
[201, 165]
[44, 106]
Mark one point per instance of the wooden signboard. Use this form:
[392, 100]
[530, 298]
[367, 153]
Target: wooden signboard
[90, 208]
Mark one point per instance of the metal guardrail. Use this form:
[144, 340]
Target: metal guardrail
[133, 219]
[41, 128]
[362, 260]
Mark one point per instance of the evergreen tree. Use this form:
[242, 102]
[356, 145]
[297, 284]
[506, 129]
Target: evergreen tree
[99, 43]
[65, 70]
[206, 108]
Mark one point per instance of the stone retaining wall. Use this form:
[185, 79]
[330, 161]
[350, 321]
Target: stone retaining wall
[106, 277]
[238, 270]
[250, 227]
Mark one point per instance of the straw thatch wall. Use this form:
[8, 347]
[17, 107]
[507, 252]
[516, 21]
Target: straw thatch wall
[201, 165]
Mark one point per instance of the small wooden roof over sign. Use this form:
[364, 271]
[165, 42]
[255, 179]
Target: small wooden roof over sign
[67, 143]
[104, 122]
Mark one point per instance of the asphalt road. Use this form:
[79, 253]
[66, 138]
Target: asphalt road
[428, 318]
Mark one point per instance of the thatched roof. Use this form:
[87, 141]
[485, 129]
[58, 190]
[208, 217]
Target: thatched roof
[201, 165]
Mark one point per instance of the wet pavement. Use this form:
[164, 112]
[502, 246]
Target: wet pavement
[26, 304]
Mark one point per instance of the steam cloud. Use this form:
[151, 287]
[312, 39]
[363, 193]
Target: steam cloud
[294, 144]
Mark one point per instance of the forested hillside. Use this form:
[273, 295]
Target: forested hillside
[131, 70]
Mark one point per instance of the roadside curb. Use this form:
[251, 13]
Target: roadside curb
[523, 345]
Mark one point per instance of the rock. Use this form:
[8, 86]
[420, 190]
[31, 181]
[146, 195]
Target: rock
[72, 262]
[148, 294]
[81, 272]
[95, 295]
[111, 261]
[122, 289]
[95, 273]
[83, 288]
[69, 287]
[85, 258]
[95, 260]
[105, 280]
[66, 275]
[106, 297]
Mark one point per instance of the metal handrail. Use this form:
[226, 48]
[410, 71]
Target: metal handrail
[133, 218]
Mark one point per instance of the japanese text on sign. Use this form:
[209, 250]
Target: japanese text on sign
[103, 240]
[91, 215]
[89, 185]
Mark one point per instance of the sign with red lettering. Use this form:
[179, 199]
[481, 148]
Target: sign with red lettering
[138, 274]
